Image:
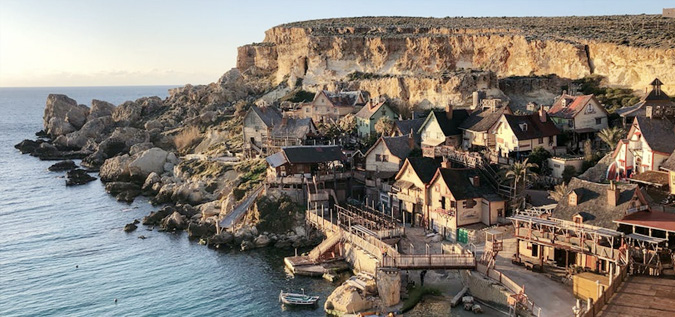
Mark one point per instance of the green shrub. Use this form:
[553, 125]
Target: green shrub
[416, 294]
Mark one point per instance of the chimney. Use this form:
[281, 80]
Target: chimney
[411, 140]
[284, 121]
[448, 111]
[445, 163]
[475, 181]
[542, 114]
[613, 194]
[413, 115]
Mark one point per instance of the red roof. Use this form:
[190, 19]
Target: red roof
[650, 219]
[574, 105]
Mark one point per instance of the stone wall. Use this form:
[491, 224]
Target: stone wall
[486, 289]
[360, 260]
[389, 286]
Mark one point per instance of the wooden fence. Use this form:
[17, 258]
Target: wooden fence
[431, 261]
[508, 283]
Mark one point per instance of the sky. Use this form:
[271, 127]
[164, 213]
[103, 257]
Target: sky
[58, 43]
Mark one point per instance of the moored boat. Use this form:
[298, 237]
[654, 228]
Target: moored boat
[297, 299]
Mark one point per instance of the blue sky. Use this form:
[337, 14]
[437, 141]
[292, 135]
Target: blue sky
[122, 42]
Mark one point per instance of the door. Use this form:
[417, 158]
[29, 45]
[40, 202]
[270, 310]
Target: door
[462, 235]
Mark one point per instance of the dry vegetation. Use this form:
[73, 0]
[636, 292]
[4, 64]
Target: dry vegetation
[632, 30]
[187, 138]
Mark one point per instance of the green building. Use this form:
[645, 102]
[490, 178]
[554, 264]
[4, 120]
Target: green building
[368, 116]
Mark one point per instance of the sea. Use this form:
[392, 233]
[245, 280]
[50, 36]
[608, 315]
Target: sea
[63, 251]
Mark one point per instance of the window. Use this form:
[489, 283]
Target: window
[453, 204]
[590, 109]
[384, 112]
[437, 187]
[598, 120]
[541, 140]
[378, 158]
[385, 158]
[307, 109]
[570, 123]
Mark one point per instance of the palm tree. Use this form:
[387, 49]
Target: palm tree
[519, 173]
[611, 136]
[559, 192]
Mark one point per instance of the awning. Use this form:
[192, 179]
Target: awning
[401, 184]
[277, 159]
[433, 142]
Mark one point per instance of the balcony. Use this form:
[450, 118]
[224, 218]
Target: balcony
[415, 199]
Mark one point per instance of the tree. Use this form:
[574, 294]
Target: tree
[559, 192]
[348, 124]
[539, 156]
[568, 173]
[384, 125]
[520, 174]
[611, 136]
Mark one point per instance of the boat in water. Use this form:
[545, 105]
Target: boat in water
[297, 299]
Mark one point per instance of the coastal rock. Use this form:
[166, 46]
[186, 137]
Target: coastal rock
[116, 169]
[127, 196]
[62, 166]
[174, 222]
[247, 245]
[262, 241]
[115, 188]
[346, 298]
[63, 115]
[78, 177]
[221, 239]
[130, 227]
[92, 130]
[282, 243]
[150, 161]
[28, 146]
[153, 124]
[242, 234]
[300, 231]
[140, 148]
[198, 230]
[100, 108]
[156, 216]
[164, 194]
[150, 182]
[127, 114]
[186, 210]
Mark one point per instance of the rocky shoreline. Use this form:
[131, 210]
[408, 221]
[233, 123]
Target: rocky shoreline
[181, 152]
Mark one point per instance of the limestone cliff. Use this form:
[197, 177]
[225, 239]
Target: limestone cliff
[418, 59]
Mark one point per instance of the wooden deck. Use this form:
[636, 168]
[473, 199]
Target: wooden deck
[643, 296]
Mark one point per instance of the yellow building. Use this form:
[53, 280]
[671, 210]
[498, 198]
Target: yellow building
[410, 190]
[518, 135]
[669, 165]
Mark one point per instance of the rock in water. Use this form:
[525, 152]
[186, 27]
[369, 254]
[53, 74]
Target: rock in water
[156, 216]
[28, 146]
[261, 241]
[78, 177]
[174, 222]
[100, 109]
[130, 227]
[148, 162]
[63, 166]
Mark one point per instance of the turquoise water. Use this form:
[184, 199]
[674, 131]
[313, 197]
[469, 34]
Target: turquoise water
[47, 229]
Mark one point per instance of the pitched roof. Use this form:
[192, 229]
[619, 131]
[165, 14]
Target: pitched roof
[669, 164]
[483, 120]
[343, 98]
[405, 126]
[424, 167]
[309, 154]
[370, 108]
[593, 204]
[399, 146]
[568, 106]
[457, 180]
[293, 128]
[448, 126]
[659, 133]
[532, 127]
[655, 97]
[269, 115]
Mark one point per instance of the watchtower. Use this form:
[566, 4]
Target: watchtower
[493, 244]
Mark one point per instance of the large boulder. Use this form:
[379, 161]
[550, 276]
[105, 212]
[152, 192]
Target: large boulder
[116, 169]
[128, 114]
[150, 161]
[262, 241]
[63, 115]
[220, 239]
[100, 108]
[94, 130]
[174, 222]
[150, 181]
[198, 230]
[120, 141]
[155, 217]
[63, 166]
[28, 146]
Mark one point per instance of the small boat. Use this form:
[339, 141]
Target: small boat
[297, 299]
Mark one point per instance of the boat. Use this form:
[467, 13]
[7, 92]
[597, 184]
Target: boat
[297, 299]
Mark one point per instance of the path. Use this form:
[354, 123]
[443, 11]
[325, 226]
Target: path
[231, 218]
[555, 299]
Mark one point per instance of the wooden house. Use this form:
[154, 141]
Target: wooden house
[517, 135]
[258, 123]
[461, 197]
[582, 115]
[368, 116]
[332, 105]
[443, 127]
[410, 189]
[477, 126]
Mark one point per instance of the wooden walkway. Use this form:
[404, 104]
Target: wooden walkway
[642, 296]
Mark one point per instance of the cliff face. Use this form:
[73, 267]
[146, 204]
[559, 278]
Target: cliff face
[413, 62]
